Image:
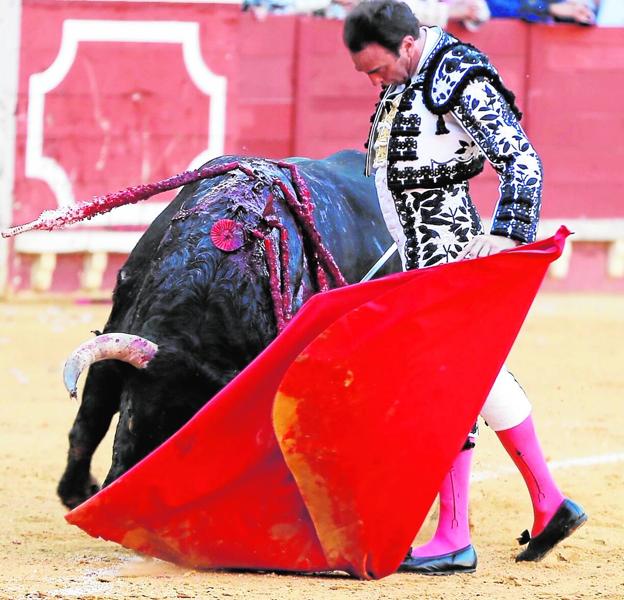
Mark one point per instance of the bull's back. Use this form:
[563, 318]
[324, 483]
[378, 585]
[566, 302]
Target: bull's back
[347, 212]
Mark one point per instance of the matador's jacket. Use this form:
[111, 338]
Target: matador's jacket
[431, 135]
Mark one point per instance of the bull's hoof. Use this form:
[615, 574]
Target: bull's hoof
[72, 497]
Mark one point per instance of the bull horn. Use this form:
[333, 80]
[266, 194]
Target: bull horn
[132, 349]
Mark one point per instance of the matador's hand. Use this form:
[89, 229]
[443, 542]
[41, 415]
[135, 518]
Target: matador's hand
[484, 245]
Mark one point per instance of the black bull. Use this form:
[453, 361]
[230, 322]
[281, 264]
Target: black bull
[212, 312]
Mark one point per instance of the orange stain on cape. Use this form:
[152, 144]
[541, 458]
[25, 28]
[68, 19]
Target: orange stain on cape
[339, 541]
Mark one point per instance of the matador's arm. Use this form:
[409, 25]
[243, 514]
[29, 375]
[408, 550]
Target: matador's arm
[490, 121]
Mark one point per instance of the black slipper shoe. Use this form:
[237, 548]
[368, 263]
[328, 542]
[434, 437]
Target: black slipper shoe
[460, 561]
[568, 518]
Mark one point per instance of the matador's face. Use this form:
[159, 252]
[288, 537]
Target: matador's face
[383, 66]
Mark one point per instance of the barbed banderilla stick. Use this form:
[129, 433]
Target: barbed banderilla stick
[68, 215]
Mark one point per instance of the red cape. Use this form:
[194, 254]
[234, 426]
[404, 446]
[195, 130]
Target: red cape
[327, 451]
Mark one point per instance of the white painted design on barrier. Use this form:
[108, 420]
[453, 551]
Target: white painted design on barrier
[581, 461]
[10, 30]
[75, 31]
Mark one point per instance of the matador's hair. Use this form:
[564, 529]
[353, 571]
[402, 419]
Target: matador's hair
[384, 22]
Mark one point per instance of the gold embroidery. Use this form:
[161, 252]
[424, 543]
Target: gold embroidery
[382, 137]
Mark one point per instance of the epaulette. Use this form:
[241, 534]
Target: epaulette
[451, 69]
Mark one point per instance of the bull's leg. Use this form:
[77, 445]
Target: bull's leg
[125, 450]
[132, 443]
[100, 401]
[145, 425]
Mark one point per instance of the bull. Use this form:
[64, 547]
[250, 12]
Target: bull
[207, 287]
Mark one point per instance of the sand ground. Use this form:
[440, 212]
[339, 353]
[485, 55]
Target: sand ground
[569, 358]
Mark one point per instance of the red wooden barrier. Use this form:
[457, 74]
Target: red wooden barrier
[333, 102]
[119, 93]
[265, 89]
[576, 122]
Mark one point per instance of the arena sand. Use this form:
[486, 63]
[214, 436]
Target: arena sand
[569, 357]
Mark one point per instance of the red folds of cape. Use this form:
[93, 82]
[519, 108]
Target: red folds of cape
[327, 451]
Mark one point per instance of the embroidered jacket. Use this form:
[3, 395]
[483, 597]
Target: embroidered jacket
[454, 114]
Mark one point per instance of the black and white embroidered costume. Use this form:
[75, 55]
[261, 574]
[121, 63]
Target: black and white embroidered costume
[427, 139]
[430, 136]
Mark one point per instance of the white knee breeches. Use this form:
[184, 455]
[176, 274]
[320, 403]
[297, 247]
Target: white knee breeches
[506, 405]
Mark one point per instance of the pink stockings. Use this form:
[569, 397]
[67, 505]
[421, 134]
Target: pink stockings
[453, 531]
[523, 446]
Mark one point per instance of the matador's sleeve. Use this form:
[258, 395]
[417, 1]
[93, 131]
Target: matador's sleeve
[488, 118]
